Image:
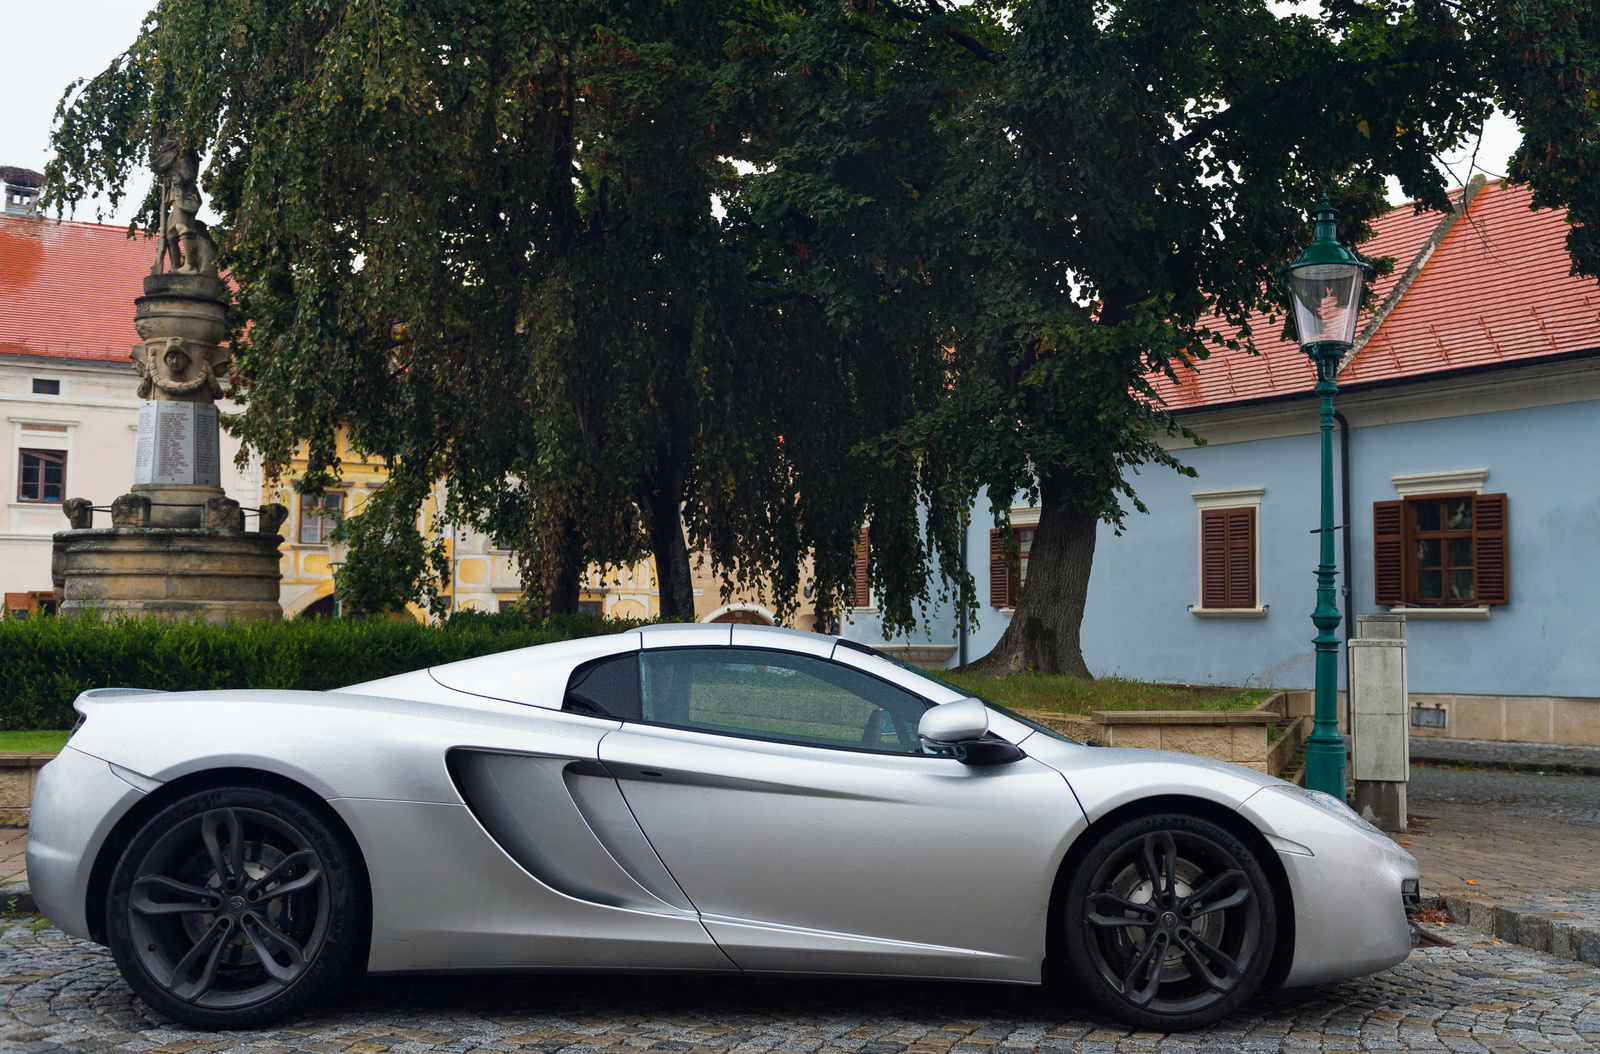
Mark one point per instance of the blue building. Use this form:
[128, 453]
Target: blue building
[1470, 446]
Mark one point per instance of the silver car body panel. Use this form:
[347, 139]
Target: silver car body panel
[502, 832]
[428, 914]
[848, 861]
[77, 800]
[1349, 918]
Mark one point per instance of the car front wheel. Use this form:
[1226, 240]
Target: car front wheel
[235, 906]
[1170, 922]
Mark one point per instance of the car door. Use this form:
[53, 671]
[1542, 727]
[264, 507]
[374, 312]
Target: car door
[789, 798]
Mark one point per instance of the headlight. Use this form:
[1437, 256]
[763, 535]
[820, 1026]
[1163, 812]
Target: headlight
[1336, 806]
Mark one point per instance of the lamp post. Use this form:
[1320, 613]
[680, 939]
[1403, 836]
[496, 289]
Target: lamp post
[1325, 285]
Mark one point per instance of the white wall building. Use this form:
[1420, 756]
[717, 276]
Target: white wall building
[68, 409]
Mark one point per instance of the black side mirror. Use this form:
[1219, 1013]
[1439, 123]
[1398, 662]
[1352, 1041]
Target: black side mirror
[988, 751]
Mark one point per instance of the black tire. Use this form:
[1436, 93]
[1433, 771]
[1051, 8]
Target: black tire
[1170, 923]
[236, 906]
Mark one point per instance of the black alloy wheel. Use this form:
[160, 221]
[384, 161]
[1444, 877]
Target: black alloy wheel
[1170, 922]
[235, 906]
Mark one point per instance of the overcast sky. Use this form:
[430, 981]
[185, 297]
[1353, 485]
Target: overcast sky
[83, 37]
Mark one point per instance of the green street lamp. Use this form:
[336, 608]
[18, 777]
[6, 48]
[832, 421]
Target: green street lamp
[1325, 286]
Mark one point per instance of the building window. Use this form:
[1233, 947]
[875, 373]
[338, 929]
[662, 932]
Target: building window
[597, 608]
[1228, 558]
[1441, 550]
[1005, 580]
[42, 475]
[319, 516]
[41, 386]
[860, 597]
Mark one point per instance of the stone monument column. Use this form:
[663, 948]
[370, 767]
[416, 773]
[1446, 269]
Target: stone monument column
[177, 544]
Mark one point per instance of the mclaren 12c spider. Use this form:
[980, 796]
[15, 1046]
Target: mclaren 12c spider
[687, 798]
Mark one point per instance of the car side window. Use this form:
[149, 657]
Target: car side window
[607, 687]
[778, 695]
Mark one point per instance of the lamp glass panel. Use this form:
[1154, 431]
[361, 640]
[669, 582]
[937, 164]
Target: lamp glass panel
[1327, 298]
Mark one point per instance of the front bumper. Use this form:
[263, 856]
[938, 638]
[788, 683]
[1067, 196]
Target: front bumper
[76, 804]
[1348, 882]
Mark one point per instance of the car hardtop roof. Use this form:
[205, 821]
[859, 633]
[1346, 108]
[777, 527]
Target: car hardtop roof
[713, 629]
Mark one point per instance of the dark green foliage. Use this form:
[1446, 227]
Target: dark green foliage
[388, 564]
[45, 663]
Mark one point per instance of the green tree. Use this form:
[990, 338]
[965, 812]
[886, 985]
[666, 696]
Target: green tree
[1111, 174]
[482, 238]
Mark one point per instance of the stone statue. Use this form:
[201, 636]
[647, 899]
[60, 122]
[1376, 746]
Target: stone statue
[184, 241]
[177, 545]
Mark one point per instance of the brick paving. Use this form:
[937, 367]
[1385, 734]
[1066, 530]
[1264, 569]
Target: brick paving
[1505, 832]
[1478, 997]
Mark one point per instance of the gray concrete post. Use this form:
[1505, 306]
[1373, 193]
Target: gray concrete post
[1379, 734]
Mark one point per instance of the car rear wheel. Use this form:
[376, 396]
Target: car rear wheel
[1170, 922]
[235, 906]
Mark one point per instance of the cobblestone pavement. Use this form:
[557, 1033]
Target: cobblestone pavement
[1532, 756]
[60, 994]
[1503, 831]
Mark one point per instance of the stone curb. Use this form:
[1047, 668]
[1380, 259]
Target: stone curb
[1564, 934]
[17, 898]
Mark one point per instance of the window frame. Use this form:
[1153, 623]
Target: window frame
[45, 453]
[755, 736]
[325, 524]
[1022, 518]
[1233, 500]
[861, 576]
[1410, 583]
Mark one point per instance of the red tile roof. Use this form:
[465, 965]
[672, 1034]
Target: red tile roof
[67, 289]
[1497, 289]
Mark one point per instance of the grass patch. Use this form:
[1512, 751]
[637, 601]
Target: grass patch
[1069, 695]
[46, 742]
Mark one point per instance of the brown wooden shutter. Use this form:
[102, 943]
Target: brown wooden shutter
[999, 572]
[1388, 552]
[861, 574]
[1490, 544]
[1214, 558]
[1241, 558]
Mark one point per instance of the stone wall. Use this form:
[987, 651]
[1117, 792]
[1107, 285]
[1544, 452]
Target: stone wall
[19, 772]
[1237, 736]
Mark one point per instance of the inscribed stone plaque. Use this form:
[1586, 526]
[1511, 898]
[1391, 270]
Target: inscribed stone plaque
[206, 469]
[174, 442]
[144, 448]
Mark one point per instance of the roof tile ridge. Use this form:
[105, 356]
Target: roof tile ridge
[1418, 262]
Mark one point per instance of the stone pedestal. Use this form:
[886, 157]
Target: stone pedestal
[177, 545]
[1380, 756]
[185, 572]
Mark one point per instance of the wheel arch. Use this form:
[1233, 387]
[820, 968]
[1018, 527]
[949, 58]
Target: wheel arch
[1224, 817]
[151, 804]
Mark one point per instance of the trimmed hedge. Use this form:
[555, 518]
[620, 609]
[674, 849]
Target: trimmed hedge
[46, 662]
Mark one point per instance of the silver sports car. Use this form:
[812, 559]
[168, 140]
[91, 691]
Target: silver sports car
[687, 798]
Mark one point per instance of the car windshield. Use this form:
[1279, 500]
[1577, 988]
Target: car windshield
[990, 703]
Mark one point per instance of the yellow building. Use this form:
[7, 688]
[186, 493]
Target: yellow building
[483, 576]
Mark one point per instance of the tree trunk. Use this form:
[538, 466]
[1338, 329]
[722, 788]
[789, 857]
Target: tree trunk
[1044, 635]
[569, 576]
[671, 556]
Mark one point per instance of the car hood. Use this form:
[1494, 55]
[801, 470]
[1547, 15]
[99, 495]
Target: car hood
[1105, 778]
